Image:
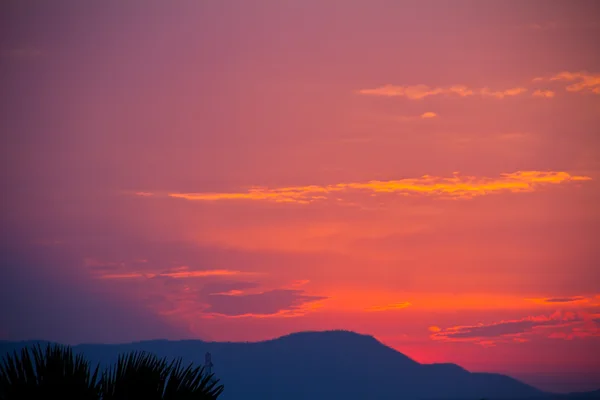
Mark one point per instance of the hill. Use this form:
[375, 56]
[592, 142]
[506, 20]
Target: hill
[322, 365]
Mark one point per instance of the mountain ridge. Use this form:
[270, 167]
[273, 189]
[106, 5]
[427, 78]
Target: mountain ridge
[322, 365]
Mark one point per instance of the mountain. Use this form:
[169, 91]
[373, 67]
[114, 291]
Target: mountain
[322, 365]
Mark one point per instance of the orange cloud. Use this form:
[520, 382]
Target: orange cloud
[410, 118]
[388, 307]
[418, 92]
[455, 187]
[548, 94]
[578, 81]
[503, 93]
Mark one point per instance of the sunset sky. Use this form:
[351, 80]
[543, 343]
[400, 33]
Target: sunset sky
[427, 172]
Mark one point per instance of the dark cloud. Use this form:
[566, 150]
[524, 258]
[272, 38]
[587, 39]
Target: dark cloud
[213, 288]
[45, 294]
[557, 325]
[494, 330]
[265, 303]
[563, 299]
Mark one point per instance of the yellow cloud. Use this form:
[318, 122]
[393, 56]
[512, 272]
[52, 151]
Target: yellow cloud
[455, 187]
[418, 92]
[429, 114]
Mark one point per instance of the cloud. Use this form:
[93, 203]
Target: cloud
[409, 118]
[493, 330]
[564, 300]
[187, 294]
[388, 307]
[176, 273]
[502, 93]
[279, 302]
[567, 325]
[548, 94]
[300, 282]
[577, 81]
[213, 288]
[418, 92]
[455, 187]
[64, 304]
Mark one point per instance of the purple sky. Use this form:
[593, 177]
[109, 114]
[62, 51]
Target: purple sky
[422, 171]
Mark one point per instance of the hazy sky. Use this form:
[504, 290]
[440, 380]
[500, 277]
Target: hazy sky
[423, 171]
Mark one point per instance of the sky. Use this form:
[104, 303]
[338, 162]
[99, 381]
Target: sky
[427, 172]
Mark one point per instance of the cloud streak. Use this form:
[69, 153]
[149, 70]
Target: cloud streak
[389, 307]
[582, 81]
[455, 187]
[176, 274]
[561, 300]
[278, 302]
[419, 92]
[560, 325]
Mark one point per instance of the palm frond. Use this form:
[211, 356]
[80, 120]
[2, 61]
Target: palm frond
[191, 383]
[143, 375]
[55, 371]
[135, 375]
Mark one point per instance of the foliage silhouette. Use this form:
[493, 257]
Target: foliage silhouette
[57, 373]
[51, 373]
[143, 375]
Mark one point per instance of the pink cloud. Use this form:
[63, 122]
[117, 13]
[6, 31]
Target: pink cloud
[565, 325]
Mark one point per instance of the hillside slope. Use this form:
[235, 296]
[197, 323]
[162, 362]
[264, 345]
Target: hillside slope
[321, 365]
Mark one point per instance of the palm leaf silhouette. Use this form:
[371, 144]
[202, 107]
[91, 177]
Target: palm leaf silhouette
[57, 373]
[53, 372]
[143, 375]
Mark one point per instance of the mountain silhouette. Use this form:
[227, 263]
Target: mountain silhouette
[323, 365]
